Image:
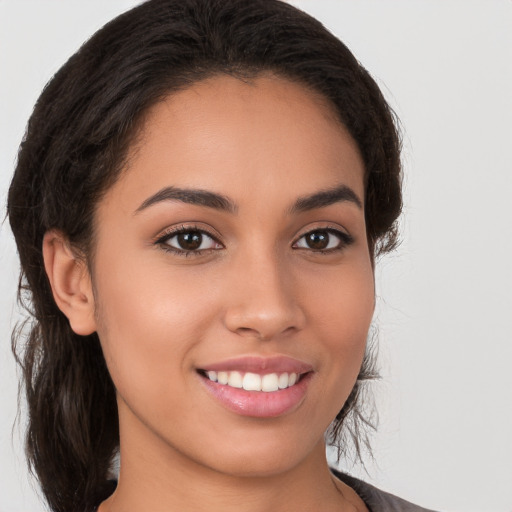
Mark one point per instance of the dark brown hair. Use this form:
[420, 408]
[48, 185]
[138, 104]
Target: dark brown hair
[73, 151]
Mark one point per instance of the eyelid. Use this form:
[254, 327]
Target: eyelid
[185, 227]
[173, 231]
[345, 237]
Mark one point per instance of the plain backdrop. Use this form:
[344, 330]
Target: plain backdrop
[444, 298]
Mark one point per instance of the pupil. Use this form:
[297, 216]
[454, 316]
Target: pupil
[190, 241]
[318, 240]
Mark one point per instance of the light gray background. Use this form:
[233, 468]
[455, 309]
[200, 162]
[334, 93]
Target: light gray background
[445, 297]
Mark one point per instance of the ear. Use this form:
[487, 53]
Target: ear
[70, 281]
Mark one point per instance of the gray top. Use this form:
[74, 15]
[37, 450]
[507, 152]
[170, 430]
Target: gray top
[377, 500]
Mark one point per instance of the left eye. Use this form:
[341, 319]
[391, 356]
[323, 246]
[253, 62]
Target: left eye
[323, 240]
[192, 240]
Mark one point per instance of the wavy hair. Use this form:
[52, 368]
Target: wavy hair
[73, 150]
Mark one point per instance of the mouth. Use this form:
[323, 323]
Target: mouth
[267, 383]
[258, 387]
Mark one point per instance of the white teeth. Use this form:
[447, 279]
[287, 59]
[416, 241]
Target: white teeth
[270, 382]
[283, 381]
[253, 381]
[235, 380]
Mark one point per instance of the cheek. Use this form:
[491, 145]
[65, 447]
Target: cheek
[149, 324]
[341, 304]
[341, 311]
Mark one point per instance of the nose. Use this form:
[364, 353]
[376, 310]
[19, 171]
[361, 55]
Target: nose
[262, 303]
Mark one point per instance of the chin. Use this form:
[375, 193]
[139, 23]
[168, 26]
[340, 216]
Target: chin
[263, 455]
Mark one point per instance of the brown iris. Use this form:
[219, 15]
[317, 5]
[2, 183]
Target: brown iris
[317, 240]
[190, 241]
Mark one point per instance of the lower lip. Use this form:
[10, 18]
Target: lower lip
[259, 404]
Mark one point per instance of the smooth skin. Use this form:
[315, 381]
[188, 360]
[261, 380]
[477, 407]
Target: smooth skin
[257, 275]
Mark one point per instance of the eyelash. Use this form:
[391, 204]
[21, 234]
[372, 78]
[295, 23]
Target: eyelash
[180, 230]
[344, 240]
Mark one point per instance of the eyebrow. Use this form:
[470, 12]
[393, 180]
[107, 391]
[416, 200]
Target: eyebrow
[217, 201]
[190, 196]
[325, 198]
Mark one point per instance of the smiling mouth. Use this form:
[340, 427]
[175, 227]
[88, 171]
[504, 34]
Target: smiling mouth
[255, 387]
[249, 381]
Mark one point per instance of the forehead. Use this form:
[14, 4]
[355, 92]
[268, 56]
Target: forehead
[232, 136]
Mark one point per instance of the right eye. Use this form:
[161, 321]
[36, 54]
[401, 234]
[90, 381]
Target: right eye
[188, 241]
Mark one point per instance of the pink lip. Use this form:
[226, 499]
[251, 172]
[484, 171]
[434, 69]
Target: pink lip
[260, 364]
[260, 404]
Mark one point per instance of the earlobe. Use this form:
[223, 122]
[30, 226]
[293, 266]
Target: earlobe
[70, 282]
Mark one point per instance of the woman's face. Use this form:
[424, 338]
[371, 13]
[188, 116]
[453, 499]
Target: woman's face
[233, 248]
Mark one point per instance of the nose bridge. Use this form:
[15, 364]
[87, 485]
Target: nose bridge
[263, 304]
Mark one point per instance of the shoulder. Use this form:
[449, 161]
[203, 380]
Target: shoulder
[377, 500]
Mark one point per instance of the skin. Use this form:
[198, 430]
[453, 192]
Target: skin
[258, 289]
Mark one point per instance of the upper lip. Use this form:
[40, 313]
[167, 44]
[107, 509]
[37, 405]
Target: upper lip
[260, 364]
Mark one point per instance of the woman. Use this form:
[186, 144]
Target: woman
[198, 204]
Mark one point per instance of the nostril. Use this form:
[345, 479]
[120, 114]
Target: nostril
[247, 331]
[265, 333]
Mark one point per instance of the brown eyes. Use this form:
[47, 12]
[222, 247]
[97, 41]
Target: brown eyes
[187, 241]
[323, 240]
[190, 240]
